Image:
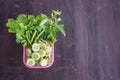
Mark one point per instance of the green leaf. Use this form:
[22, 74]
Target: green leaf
[41, 17]
[43, 22]
[52, 37]
[31, 17]
[19, 38]
[61, 29]
[31, 20]
[56, 12]
[22, 26]
[22, 18]
[12, 25]
[23, 41]
[38, 28]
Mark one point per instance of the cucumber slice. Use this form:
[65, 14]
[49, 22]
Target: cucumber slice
[43, 62]
[28, 52]
[30, 62]
[42, 53]
[35, 56]
[36, 47]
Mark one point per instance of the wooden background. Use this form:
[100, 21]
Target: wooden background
[91, 50]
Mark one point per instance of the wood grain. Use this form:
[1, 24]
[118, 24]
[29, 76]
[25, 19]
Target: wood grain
[90, 51]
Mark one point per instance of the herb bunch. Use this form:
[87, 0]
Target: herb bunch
[30, 29]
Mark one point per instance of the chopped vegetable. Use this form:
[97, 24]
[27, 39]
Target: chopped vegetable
[31, 62]
[43, 62]
[28, 52]
[35, 47]
[35, 56]
[42, 53]
[36, 33]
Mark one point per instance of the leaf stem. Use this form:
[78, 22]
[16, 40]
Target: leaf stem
[28, 39]
[33, 36]
[38, 36]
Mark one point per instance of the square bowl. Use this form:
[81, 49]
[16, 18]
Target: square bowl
[38, 66]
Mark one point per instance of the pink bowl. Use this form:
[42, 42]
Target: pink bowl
[38, 66]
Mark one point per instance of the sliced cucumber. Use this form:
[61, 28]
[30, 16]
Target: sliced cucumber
[43, 62]
[36, 47]
[30, 62]
[35, 56]
[28, 52]
[42, 53]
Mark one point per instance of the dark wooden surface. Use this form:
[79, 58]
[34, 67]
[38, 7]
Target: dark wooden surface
[91, 50]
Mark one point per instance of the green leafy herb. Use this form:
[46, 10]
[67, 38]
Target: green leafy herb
[30, 29]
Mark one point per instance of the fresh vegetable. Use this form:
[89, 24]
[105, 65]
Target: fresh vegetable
[41, 55]
[30, 62]
[28, 52]
[36, 33]
[30, 29]
[36, 56]
[43, 62]
[36, 47]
